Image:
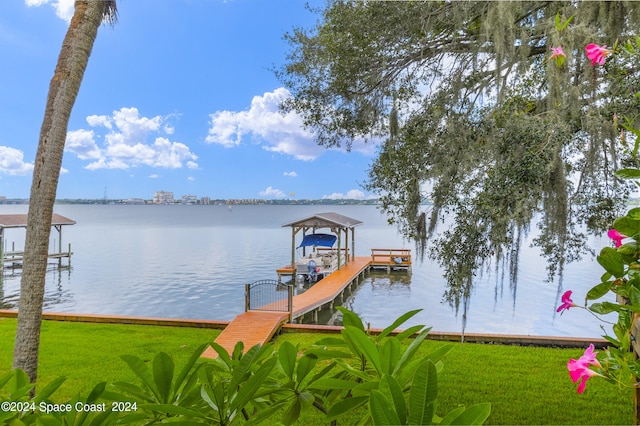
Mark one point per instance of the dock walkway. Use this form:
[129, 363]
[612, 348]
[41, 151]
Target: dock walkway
[255, 327]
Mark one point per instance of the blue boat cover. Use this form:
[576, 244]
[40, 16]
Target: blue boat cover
[324, 240]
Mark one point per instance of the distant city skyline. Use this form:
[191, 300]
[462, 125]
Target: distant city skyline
[181, 97]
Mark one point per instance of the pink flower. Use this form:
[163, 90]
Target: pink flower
[566, 302]
[596, 53]
[557, 51]
[579, 369]
[558, 54]
[616, 237]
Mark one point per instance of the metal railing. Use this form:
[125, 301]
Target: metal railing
[268, 295]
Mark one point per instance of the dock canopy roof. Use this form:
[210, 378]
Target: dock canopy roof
[325, 220]
[322, 240]
[20, 220]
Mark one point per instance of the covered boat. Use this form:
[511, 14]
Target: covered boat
[319, 254]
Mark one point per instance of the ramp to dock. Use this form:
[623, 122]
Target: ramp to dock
[255, 327]
[250, 328]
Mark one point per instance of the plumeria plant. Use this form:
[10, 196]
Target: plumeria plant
[621, 262]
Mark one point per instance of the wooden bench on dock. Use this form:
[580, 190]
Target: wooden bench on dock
[391, 259]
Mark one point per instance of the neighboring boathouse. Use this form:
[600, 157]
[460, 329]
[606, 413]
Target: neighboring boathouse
[15, 257]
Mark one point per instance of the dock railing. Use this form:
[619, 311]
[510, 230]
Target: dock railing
[389, 258]
[269, 295]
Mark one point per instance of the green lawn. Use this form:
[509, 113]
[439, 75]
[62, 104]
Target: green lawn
[525, 385]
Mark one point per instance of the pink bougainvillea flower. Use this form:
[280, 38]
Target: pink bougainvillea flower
[616, 237]
[597, 54]
[579, 368]
[566, 302]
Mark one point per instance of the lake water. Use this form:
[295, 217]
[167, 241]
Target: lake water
[182, 261]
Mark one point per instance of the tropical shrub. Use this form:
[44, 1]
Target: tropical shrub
[380, 377]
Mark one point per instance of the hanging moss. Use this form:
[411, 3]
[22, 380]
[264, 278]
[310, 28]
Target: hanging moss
[478, 120]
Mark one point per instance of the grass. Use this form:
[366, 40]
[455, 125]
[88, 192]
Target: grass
[89, 353]
[525, 385]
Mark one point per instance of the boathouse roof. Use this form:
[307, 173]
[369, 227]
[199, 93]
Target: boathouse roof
[20, 220]
[325, 220]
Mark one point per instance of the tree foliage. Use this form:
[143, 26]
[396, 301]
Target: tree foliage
[472, 116]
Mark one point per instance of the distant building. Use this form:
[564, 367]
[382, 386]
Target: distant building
[205, 200]
[189, 199]
[163, 197]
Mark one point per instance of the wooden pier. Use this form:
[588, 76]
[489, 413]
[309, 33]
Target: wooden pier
[391, 259]
[15, 257]
[258, 327]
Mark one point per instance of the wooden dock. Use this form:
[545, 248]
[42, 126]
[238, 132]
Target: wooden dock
[391, 259]
[255, 327]
[15, 257]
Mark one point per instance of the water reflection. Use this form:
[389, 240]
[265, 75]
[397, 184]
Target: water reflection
[57, 294]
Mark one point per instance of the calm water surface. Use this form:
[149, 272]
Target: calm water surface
[193, 261]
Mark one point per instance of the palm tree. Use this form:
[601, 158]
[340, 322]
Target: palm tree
[63, 90]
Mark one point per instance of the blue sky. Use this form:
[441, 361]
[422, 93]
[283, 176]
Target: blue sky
[179, 95]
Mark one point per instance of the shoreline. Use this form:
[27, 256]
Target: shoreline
[502, 339]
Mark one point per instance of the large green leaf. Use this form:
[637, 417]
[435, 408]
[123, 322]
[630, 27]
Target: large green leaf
[424, 391]
[398, 322]
[350, 318]
[305, 366]
[248, 389]
[611, 261]
[330, 383]
[242, 370]
[411, 331]
[132, 390]
[364, 346]
[410, 352]
[634, 296]
[598, 291]
[287, 356]
[163, 375]
[474, 415]
[605, 308]
[381, 410]
[390, 387]
[49, 389]
[181, 378]
[140, 369]
[627, 226]
[345, 405]
[389, 355]
[293, 412]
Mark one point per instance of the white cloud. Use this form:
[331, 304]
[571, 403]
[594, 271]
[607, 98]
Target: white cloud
[279, 132]
[291, 174]
[125, 143]
[12, 162]
[354, 194]
[154, 176]
[82, 143]
[272, 192]
[64, 8]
